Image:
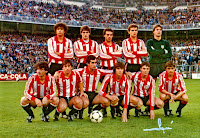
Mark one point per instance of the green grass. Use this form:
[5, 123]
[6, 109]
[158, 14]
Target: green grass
[13, 119]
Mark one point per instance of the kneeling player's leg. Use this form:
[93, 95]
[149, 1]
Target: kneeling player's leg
[85, 103]
[102, 101]
[138, 107]
[158, 103]
[62, 106]
[75, 104]
[183, 101]
[113, 105]
[165, 98]
[26, 105]
[50, 105]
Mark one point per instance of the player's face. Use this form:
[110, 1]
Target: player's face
[145, 70]
[119, 71]
[85, 35]
[67, 68]
[60, 31]
[158, 32]
[170, 70]
[92, 65]
[133, 32]
[41, 72]
[108, 36]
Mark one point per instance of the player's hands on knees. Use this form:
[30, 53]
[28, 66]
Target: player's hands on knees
[84, 95]
[173, 97]
[152, 114]
[38, 102]
[114, 98]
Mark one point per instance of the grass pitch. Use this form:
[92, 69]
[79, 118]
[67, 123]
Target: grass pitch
[13, 119]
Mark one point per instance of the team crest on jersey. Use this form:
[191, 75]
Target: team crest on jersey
[146, 87]
[162, 46]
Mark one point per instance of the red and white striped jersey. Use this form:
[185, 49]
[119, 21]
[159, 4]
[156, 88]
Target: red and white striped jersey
[67, 86]
[90, 81]
[118, 88]
[34, 88]
[109, 54]
[171, 86]
[64, 48]
[83, 49]
[143, 88]
[133, 51]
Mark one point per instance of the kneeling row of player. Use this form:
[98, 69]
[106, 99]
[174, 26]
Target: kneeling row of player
[41, 90]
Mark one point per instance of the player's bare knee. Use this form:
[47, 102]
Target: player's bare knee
[106, 102]
[163, 97]
[185, 98]
[24, 101]
[55, 101]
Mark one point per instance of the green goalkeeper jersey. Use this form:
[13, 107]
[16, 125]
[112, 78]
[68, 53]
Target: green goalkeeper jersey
[159, 51]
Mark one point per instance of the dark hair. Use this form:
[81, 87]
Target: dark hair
[60, 24]
[119, 64]
[67, 61]
[157, 25]
[132, 26]
[169, 64]
[107, 29]
[89, 58]
[42, 65]
[85, 28]
[145, 64]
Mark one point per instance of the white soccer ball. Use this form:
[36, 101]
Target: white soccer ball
[96, 116]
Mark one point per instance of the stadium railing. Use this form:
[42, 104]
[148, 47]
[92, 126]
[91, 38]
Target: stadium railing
[188, 70]
[74, 23]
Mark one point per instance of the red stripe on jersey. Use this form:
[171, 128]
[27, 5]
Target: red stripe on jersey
[138, 85]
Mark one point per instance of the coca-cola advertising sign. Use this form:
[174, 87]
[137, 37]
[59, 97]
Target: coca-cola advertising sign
[16, 77]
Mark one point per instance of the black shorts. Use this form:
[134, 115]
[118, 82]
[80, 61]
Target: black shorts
[176, 94]
[121, 98]
[133, 67]
[91, 96]
[67, 99]
[144, 99]
[55, 67]
[156, 69]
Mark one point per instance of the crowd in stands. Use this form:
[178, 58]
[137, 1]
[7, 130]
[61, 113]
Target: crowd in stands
[20, 51]
[61, 11]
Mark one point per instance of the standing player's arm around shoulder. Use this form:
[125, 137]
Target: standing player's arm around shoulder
[57, 76]
[152, 50]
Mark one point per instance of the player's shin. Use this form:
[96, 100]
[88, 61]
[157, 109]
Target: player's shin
[71, 113]
[181, 105]
[27, 108]
[50, 108]
[166, 107]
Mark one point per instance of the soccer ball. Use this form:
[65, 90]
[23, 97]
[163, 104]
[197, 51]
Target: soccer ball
[96, 116]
